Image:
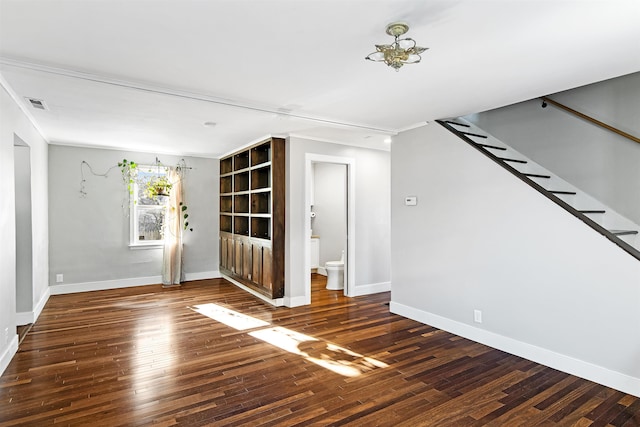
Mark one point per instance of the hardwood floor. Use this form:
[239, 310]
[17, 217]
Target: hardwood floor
[148, 355]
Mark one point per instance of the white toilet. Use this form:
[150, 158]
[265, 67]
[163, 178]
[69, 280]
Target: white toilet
[335, 274]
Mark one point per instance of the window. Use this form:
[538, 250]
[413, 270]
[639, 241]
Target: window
[147, 213]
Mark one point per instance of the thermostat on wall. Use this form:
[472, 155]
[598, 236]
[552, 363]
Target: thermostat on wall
[410, 201]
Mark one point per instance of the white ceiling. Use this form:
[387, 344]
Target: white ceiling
[145, 75]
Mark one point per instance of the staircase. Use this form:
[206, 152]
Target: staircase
[593, 213]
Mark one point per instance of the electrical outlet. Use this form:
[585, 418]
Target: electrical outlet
[477, 316]
[59, 278]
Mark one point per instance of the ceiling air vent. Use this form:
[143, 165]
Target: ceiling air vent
[37, 103]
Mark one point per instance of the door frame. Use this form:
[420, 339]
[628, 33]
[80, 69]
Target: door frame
[349, 256]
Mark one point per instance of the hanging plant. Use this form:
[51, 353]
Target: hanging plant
[185, 215]
[159, 186]
[129, 171]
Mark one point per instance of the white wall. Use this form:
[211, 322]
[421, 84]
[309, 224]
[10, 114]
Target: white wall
[595, 160]
[330, 207]
[24, 235]
[550, 288]
[13, 122]
[90, 235]
[372, 227]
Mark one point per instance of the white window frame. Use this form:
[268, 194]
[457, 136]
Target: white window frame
[135, 208]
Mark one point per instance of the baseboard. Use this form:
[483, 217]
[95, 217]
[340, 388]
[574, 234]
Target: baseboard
[295, 301]
[27, 317]
[72, 288]
[8, 353]
[124, 283]
[40, 305]
[279, 302]
[202, 275]
[322, 271]
[372, 288]
[570, 365]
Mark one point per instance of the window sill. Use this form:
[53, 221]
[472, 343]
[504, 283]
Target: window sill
[142, 246]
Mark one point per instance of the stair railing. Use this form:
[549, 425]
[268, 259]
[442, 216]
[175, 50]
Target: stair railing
[588, 118]
[502, 161]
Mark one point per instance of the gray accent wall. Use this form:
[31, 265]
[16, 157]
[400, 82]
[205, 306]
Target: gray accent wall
[597, 161]
[24, 234]
[89, 236]
[372, 227]
[550, 288]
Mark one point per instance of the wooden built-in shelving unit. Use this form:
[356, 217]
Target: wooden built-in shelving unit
[252, 198]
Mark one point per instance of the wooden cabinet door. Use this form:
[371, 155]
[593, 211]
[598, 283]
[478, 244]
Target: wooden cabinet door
[230, 249]
[256, 274]
[246, 260]
[223, 252]
[238, 258]
[267, 276]
[226, 253]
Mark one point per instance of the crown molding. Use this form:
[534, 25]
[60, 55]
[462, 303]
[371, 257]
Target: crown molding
[413, 126]
[147, 87]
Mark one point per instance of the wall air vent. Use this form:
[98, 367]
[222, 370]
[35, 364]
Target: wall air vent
[37, 103]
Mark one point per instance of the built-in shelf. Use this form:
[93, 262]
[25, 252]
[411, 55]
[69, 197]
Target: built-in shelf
[226, 204]
[226, 223]
[261, 178]
[241, 203]
[252, 202]
[261, 154]
[226, 184]
[241, 225]
[261, 203]
[241, 160]
[226, 166]
[261, 227]
[241, 182]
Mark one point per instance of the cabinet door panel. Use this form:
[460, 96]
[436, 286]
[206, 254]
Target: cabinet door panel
[266, 269]
[238, 258]
[257, 264]
[246, 260]
[223, 252]
[230, 246]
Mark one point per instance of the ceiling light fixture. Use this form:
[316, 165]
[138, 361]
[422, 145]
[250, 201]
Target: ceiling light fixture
[401, 51]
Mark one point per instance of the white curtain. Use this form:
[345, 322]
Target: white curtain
[172, 260]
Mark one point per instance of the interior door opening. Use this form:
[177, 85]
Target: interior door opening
[329, 208]
[24, 239]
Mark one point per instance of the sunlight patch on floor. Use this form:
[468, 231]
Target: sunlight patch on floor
[231, 318]
[330, 356]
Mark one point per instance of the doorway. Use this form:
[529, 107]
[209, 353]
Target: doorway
[24, 232]
[344, 202]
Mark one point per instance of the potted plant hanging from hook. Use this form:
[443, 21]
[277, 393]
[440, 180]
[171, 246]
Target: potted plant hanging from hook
[158, 186]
